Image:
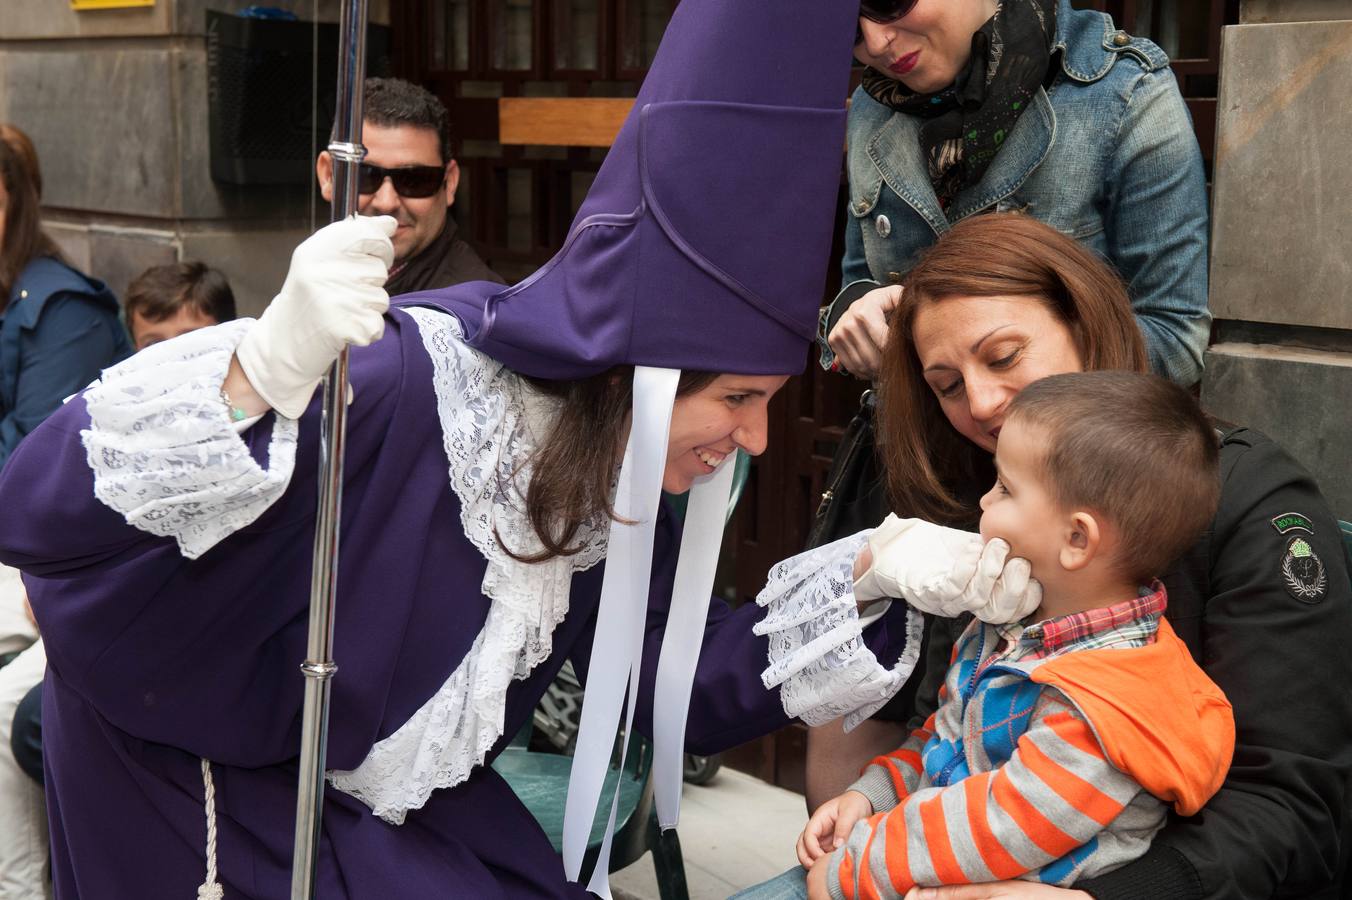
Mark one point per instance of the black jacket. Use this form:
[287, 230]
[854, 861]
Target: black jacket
[446, 261]
[1279, 825]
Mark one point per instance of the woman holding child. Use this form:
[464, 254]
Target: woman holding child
[1030, 105]
[1262, 601]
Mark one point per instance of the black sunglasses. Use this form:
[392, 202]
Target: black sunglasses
[408, 181]
[884, 11]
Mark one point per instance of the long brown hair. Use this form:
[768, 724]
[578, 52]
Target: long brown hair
[994, 255]
[23, 240]
[573, 471]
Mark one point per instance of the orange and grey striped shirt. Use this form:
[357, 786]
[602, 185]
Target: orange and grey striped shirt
[1041, 767]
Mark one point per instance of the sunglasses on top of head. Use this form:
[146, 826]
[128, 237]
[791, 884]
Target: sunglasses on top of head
[884, 11]
[409, 181]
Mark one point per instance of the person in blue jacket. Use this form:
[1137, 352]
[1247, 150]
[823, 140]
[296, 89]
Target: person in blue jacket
[58, 327]
[969, 106]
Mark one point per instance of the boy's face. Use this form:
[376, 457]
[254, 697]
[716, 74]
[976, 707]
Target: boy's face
[1018, 508]
[144, 332]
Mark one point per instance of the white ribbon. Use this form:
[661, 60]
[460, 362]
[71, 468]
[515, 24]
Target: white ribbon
[701, 539]
[617, 647]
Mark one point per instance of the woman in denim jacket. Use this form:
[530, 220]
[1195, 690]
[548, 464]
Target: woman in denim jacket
[1048, 110]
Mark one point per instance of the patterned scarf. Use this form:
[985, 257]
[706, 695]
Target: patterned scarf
[967, 121]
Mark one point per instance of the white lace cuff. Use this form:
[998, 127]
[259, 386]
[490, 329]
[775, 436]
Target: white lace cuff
[818, 658]
[164, 451]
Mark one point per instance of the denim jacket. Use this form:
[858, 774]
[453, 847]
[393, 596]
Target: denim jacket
[58, 331]
[1105, 155]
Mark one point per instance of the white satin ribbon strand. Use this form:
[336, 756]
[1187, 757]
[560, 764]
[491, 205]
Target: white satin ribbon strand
[617, 647]
[701, 539]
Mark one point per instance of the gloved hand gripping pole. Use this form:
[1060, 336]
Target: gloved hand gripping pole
[347, 152]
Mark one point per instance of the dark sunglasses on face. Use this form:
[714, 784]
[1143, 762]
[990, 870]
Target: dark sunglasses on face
[884, 11]
[409, 181]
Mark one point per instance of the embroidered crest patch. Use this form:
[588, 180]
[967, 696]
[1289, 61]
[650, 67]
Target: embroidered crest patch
[1303, 571]
[1292, 521]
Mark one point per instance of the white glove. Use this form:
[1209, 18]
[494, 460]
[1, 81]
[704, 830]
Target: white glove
[947, 572]
[334, 295]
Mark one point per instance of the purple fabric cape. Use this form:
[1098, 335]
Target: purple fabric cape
[155, 660]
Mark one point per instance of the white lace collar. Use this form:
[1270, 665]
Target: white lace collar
[490, 421]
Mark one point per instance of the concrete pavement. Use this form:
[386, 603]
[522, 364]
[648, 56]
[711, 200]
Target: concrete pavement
[735, 831]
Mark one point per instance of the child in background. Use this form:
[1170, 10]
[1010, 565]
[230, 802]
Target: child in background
[1060, 740]
[166, 301]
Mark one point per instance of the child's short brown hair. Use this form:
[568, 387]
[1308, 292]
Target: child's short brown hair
[161, 291]
[1134, 448]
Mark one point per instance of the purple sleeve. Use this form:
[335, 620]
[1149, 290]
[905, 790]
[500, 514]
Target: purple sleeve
[729, 704]
[196, 653]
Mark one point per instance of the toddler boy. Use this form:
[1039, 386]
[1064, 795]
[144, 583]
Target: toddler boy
[1060, 740]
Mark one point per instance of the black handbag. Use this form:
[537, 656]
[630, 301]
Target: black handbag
[856, 489]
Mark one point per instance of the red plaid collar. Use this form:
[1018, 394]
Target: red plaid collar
[1054, 634]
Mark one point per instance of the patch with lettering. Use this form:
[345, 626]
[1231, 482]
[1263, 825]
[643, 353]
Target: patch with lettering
[1292, 521]
[1303, 571]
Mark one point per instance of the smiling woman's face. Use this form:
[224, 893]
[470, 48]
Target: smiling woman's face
[926, 48]
[978, 352]
[709, 425]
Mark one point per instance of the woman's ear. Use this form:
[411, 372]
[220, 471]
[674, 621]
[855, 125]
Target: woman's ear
[1082, 541]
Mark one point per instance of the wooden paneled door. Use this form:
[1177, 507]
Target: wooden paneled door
[516, 203]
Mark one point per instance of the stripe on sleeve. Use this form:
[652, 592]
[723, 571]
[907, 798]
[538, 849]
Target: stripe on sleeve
[1077, 792]
[1039, 829]
[1000, 861]
[935, 829]
[895, 855]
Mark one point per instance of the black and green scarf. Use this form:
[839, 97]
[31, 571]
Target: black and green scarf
[967, 121]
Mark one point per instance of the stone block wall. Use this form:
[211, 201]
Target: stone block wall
[1281, 266]
[116, 103]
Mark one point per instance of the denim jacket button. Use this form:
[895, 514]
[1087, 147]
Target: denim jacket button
[883, 225]
[894, 277]
[862, 206]
[1121, 39]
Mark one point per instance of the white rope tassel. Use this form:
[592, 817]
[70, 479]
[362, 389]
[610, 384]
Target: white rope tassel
[210, 889]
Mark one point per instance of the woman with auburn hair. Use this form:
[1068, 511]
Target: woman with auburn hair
[973, 106]
[58, 327]
[1005, 256]
[1263, 601]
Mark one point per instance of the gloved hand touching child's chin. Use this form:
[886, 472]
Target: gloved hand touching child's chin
[947, 572]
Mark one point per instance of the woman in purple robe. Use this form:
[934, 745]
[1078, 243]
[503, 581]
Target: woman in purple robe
[164, 519]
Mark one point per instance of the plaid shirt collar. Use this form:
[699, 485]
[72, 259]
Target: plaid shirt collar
[1130, 623]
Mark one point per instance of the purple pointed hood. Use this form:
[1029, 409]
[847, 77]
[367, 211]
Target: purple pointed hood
[704, 241]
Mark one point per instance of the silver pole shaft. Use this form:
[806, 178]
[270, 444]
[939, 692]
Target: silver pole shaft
[318, 668]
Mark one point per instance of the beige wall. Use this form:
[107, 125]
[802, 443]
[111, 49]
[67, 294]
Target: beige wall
[116, 103]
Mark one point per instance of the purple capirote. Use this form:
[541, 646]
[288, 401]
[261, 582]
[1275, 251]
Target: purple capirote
[704, 241]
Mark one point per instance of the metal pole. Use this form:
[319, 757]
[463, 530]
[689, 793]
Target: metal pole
[347, 152]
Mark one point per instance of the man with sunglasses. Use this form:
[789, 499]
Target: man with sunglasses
[409, 174]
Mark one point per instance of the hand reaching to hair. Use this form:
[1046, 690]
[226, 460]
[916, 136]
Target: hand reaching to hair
[946, 572]
[860, 335]
[830, 826]
[334, 295]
